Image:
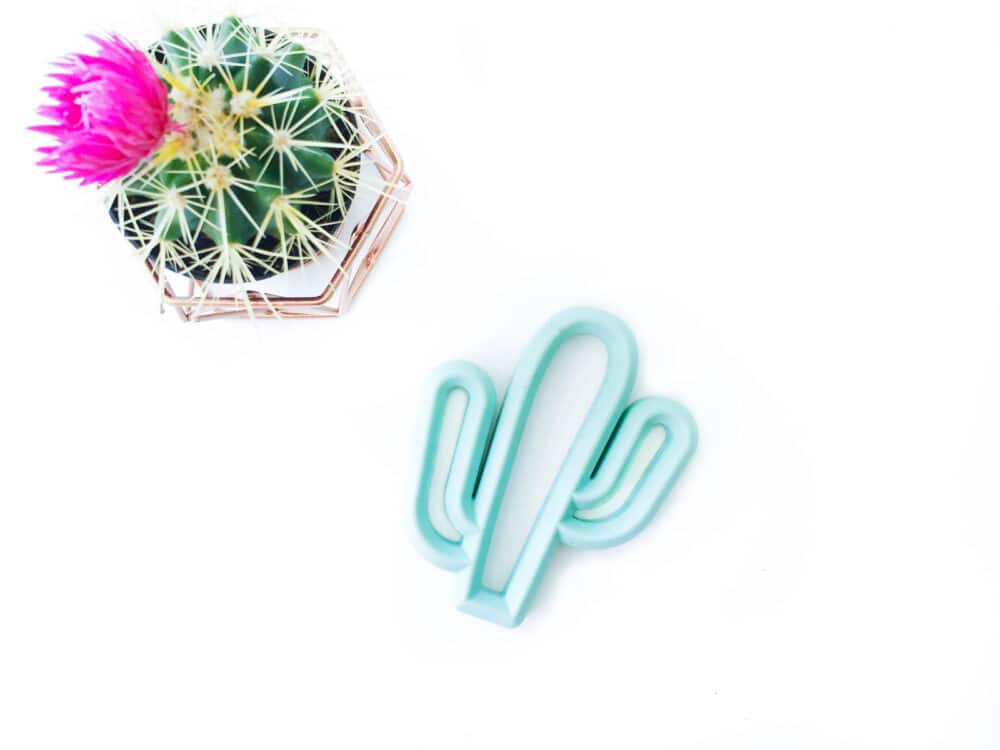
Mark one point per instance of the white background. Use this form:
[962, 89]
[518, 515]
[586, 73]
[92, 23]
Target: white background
[794, 204]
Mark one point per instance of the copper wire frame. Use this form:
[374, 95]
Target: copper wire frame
[367, 240]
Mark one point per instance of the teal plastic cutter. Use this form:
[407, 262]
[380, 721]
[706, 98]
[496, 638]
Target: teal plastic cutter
[590, 475]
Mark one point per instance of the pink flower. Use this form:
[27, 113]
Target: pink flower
[110, 112]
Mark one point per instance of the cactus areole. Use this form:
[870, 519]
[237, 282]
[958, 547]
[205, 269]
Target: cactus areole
[259, 166]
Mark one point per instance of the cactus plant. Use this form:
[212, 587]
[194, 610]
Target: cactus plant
[590, 476]
[261, 167]
[230, 153]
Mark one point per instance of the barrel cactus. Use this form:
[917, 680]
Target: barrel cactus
[230, 153]
[260, 164]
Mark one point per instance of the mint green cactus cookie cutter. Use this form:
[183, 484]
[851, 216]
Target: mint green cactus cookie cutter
[590, 475]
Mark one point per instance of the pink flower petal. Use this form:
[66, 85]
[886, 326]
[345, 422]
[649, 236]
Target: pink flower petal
[109, 111]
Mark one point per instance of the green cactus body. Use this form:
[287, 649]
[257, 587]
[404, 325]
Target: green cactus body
[262, 168]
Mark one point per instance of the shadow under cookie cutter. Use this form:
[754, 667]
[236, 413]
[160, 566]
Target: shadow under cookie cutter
[592, 471]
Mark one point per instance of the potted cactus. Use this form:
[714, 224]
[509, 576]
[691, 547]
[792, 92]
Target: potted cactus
[230, 154]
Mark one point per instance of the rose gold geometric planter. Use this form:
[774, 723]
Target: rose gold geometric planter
[358, 243]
